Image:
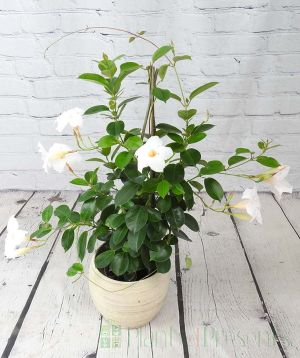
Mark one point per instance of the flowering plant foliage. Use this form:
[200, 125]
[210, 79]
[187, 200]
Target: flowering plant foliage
[140, 210]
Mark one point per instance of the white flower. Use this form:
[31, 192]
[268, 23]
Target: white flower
[279, 183]
[57, 157]
[14, 239]
[251, 204]
[153, 154]
[72, 117]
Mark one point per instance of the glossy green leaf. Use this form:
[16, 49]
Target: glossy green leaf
[107, 68]
[126, 193]
[162, 71]
[236, 159]
[160, 52]
[213, 189]
[107, 141]
[163, 188]
[268, 161]
[67, 239]
[212, 167]
[104, 259]
[194, 138]
[96, 109]
[181, 58]
[186, 114]
[164, 205]
[123, 159]
[174, 173]
[115, 220]
[163, 252]
[167, 128]
[93, 77]
[127, 68]
[136, 218]
[119, 235]
[201, 89]
[133, 143]
[81, 245]
[161, 94]
[120, 264]
[163, 266]
[79, 181]
[177, 189]
[190, 156]
[115, 128]
[75, 269]
[136, 239]
[191, 222]
[175, 217]
[47, 213]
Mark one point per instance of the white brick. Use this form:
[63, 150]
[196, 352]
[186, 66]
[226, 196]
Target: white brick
[242, 86]
[12, 106]
[284, 42]
[275, 126]
[15, 144]
[14, 87]
[72, 66]
[17, 125]
[39, 23]
[250, 65]
[10, 24]
[288, 63]
[279, 84]
[10, 5]
[261, 106]
[232, 22]
[6, 67]
[34, 68]
[17, 180]
[279, 4]
[295, 22]
[225, 44]
[243, 4]
[20, 47]
[269, 21]
[290, 105]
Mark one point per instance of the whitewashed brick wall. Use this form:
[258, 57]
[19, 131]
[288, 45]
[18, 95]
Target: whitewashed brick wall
[252, 47]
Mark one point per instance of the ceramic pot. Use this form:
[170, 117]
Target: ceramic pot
[128, 304]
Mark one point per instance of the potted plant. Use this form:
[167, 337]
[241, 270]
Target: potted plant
[131, 221]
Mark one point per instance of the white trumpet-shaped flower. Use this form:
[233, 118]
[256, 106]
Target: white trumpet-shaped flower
[250, 202]
[278, 182]
[153, 154]
[58, 157]
[14, 238]
[72, 117]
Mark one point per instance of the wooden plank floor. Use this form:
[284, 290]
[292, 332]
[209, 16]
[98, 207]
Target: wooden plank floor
[241, 298]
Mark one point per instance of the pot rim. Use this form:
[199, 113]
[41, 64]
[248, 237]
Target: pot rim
[124, 283]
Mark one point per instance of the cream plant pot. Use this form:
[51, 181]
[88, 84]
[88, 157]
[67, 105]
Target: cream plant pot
[128, 304]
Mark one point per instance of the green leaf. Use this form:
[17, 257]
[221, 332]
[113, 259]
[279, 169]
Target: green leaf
[67, 239]
[104, 259]
[115, 128]
[91, 243]
[161, 94]
[153, 215]
[128, 100]
[191, 222]
[177, 189]
[136, 218]
[164, 205]
[162, 51]
[119, 235]
[201, 89]
[176, 138]
[96, 109]
[188, 262]
[133, 143]
[182, 235]
[194, 138]
[79, 181]
[75, 269]
[63, 212]
[268, 161]
[120, 264]
[175, 96]
[162, 71]
[187, 114]
[107, 68]
[181, 58]
[136, 239]
[190, 156]
[167, 128]
[93, 77]
[131, 39]
[164, 266]
[236, 159]
[88, 209]
[175, 217]
[107, 141]
[174, 173]
[103, 201]
[81, 245]
[47, 213]
[126, 193]
[242, 150]
[123, 159]
[213, 189]
[163, 188]
[212, 167]
[163, 252]
[128, 67]
[115, 220]
[203, 127]
[196, 185]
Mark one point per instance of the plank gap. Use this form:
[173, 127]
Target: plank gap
[14, 335]
[278, 342]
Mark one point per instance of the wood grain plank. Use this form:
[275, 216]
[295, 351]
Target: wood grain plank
[18, 277]
[274, 253]
[10, 204]
[223, 313]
